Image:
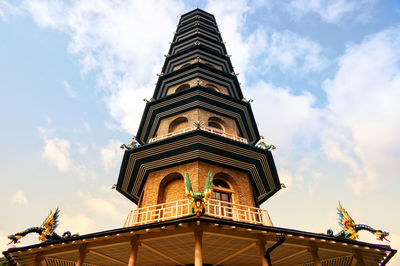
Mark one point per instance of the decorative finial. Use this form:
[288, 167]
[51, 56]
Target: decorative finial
[198, 124]
[247, 101]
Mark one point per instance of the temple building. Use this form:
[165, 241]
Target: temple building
[198, 172]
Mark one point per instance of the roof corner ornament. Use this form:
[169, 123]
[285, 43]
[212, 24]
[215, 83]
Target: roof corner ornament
[198, 124]
[198, 199]
[350, 228]
[148, 101]
[247, 101]
[45, 231]
[134, 144]
[263, 146]
[198, 82]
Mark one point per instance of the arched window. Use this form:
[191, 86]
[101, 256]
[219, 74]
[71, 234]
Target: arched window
[216, 122]
[177, 123]
[218, 183]
[185, 65]
[210, 65]
[172, 188]
[211, 86]
[182, 87]
[222, 192]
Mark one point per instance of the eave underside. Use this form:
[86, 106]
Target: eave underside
[198, 145]
[224, 243]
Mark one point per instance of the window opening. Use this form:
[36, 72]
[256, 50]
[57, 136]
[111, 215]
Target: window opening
[225, 198]
[182, 87]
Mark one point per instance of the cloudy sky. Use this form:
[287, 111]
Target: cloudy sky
[325, 76]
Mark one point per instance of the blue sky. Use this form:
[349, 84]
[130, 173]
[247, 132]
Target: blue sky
[324, 76]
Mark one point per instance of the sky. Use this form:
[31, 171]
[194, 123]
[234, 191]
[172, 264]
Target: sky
[324, 76]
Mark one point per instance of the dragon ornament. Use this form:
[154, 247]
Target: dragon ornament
[45, 231]
[263, 146]
[134, 144]
[197, 198]
[351, 229]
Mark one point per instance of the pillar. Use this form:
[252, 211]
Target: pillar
[38, 259]
[314, 254]
[198, 246]
[357, 259]
[261, 246]
[134, 250]
[82, 254]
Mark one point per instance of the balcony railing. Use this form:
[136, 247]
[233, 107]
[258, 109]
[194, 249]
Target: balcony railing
[181, 208]
[205, 128]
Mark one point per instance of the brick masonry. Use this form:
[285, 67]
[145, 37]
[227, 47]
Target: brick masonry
[228, 124]
[168, 184]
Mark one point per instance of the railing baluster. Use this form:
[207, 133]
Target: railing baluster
[180, 208]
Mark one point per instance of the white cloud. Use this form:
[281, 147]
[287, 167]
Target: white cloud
[287, 50]
[288, 116]
[71, 91]
[231, 17]
[79, 223]
[364, 112]
[111, 154]
[106, 204]
[4, 241]
[113, 40]
[7, 9]
[119, 41]
[360, 125]
[20, 197]
[287, 179]
[332, 11]
[56, 151]
[281, 49]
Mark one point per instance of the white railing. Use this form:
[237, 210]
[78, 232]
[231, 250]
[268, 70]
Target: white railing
[181, 208]
[205, 128]
[177, 132]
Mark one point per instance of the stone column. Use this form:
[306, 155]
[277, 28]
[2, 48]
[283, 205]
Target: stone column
[134, 250]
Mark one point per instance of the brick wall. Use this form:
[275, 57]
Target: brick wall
[229, 125]
[157, 191]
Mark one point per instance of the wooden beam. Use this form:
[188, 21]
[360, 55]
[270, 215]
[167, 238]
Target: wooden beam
[160, 253]
[236, 253]
[169, 235]
[291, 256]
[231, 236]
[106, 256]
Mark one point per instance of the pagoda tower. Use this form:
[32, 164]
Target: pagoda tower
[199, 129]
[198, 121]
